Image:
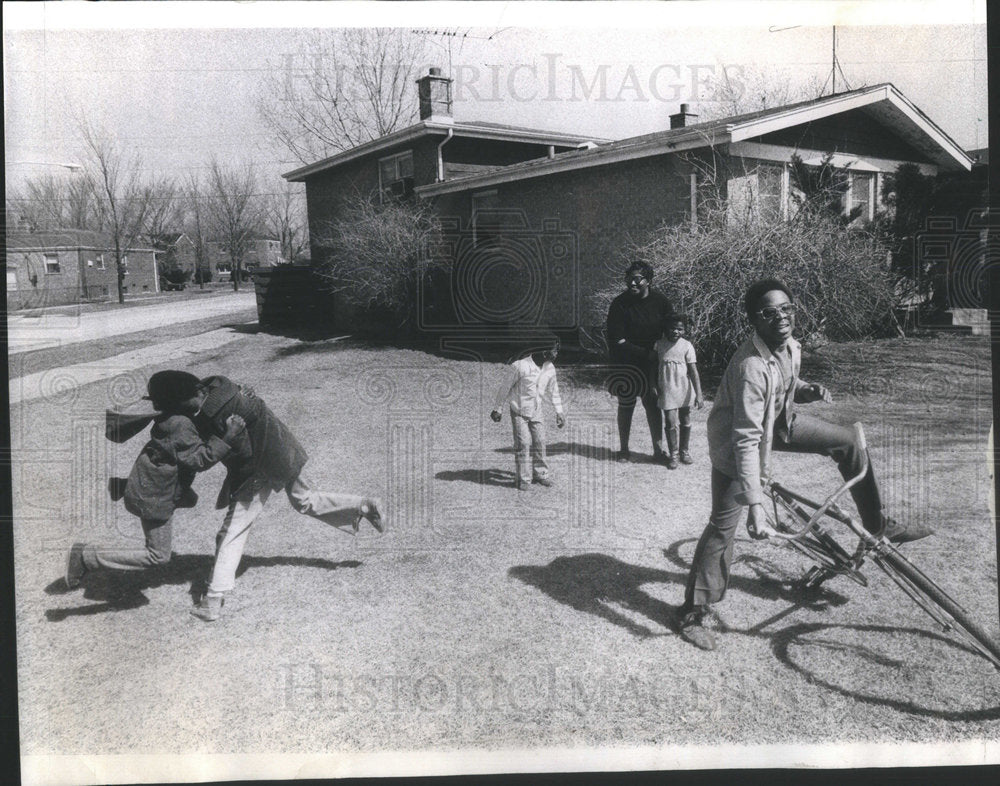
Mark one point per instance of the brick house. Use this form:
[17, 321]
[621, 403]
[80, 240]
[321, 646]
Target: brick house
[260, 251]
[531, 237]
[65, 266]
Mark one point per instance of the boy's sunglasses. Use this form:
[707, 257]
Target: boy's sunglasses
[772, 313]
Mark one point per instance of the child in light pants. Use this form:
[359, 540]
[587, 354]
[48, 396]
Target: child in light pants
[265, 459]
[532, 379]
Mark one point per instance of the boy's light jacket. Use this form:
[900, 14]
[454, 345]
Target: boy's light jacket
[741, 425]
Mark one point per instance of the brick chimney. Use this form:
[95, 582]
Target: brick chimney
[681, 118]
[434, 93]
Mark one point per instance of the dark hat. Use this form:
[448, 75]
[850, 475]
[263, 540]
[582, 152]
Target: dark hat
[170, 387]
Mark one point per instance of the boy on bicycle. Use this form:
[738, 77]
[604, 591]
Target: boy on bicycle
[754, 412]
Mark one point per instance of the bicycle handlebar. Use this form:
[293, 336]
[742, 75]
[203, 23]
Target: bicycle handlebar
[861, 442]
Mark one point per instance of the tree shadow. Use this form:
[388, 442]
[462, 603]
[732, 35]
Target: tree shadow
[123, 590]
[484, 477]
[876, 692]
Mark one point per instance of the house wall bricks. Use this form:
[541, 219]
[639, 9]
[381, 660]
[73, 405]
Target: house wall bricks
[597, 209]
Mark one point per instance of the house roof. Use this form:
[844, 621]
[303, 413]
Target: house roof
[62, 239]
[472, 129]
[883, 102]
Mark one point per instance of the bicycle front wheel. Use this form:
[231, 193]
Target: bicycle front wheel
[944, 609]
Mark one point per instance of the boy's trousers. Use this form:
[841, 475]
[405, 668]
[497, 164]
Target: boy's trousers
[709, 575]
[529, 448]
[338, 510]
[127, 557]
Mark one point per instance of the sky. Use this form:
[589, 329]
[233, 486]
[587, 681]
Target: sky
[179, 83]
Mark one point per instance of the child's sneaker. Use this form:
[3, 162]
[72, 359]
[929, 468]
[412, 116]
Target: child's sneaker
[542, 481]
[686, 457]
[671, 461]
[371, 509]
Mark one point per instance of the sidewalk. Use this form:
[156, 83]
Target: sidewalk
[129, 365]
[26, 333]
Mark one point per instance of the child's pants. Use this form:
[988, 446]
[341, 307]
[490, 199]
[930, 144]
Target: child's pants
[123, 557]
[338, 510]
[529, 439]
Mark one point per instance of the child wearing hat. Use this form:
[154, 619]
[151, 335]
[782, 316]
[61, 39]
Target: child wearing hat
[161, 477]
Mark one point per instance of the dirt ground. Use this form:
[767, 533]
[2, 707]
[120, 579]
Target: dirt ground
[488, 618]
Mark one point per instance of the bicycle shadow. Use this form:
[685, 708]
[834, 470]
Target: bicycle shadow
[125, 590]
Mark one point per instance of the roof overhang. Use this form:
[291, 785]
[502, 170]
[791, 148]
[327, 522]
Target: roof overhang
[431, 128]
[568, 162]
[883, 102]
[886, 105]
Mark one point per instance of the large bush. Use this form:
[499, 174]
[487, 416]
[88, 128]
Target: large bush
[377, 255]
[839, 275]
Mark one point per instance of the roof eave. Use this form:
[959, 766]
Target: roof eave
[596, 157]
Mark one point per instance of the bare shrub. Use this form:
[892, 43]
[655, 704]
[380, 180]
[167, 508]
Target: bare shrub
[839, 275]
[376, 255]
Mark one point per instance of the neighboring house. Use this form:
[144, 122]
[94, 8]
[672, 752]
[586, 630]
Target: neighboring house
[566, 215]
[175, 248]
[70, 266]
[261, 251]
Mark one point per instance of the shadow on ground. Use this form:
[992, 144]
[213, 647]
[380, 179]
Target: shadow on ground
[484, 477]
[121, 590]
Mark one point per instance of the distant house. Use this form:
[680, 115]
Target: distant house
[260, 251]
[538, 221]
[70, 266]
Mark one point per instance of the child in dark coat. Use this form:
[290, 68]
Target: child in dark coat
[266, 458]
[160, 478]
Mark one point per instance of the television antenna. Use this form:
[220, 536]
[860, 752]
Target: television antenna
[451, 35]
[835, 67]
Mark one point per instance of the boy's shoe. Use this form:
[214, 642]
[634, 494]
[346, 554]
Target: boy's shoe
[371, 509]
[547, 482]
[693, 630]
[623, 456]
[521, 485]
[75, 569]
[671, 461]
[685, 457]
[897, 533]
[116, 488]
[209, 608]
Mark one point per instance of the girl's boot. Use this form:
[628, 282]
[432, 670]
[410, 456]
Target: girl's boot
[685, 454]
[671, 448]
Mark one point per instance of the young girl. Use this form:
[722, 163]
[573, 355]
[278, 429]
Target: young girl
[532, 379]
[679, 386]
[161, 477]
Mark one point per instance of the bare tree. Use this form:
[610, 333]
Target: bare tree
[342, 89]
[121, 197]
[754, 89]
[51, 202]
[234, 211]
[165, 209]
[284, 220]
[196, 225]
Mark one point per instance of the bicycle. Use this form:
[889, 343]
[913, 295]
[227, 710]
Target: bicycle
[806, 526]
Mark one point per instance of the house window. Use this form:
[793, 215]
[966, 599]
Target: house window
[100, 262]
[52, 263]
[124, 265]
[769, 190]
[395, 176]
[860, 197]
[485, 226]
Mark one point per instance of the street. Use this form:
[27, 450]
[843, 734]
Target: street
[27, 333]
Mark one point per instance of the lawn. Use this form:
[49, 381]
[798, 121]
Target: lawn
[486, 618]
